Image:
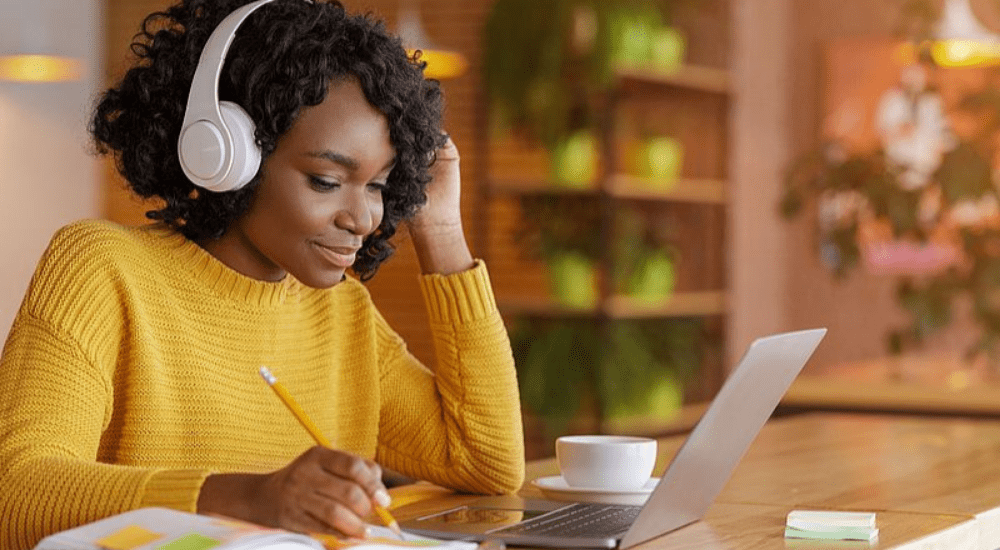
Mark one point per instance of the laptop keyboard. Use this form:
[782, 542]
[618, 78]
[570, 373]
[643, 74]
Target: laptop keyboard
[579, 520]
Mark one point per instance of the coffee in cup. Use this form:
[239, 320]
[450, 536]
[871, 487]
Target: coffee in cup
[606, 462]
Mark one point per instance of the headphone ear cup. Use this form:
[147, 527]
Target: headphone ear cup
[246, 154]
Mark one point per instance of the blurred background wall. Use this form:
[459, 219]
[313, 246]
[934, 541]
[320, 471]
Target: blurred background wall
[773, 50]
[47, 176]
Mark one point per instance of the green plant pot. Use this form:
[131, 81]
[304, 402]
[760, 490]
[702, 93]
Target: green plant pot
[631, 32]
[573, 280]
[667, 47]
[665, 398]
[654, 281]
[574, 160]
[659, 160]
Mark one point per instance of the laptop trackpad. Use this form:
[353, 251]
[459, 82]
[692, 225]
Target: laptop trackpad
[512, 502]
[483, 515]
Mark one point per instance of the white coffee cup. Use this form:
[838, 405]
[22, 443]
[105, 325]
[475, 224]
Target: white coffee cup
[607, 462]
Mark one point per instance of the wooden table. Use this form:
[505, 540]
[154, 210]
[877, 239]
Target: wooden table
[875, 463]
[936, 384]
[730, 526]
[934, 482]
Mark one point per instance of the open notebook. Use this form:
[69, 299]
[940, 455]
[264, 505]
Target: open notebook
[164, 529]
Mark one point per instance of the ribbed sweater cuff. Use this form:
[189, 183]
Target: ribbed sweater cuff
[176, 489]
[460, 297]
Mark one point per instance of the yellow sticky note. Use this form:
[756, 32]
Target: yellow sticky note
[128, 538]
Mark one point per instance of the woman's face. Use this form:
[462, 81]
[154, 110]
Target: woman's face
[320, 196]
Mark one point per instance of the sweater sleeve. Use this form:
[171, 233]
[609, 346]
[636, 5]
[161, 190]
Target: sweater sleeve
[460, 425]
[54, 409]
[56, 399]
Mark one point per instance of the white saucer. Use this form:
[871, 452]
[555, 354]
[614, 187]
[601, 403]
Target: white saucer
[555, 487]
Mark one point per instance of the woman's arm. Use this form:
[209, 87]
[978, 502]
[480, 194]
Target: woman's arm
[54, 406]
[57, 391]
[459, 426]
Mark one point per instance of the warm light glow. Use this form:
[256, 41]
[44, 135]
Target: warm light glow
[965, 53]
[960, 40]
[40, 68]
[441, 64]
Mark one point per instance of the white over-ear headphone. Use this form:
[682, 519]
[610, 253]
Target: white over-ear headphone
[217, 149]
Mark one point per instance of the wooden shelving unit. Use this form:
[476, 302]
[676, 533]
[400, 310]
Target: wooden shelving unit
[693, 205]
[690, 77]
[706, 191]
[680, 304]
[626, 187]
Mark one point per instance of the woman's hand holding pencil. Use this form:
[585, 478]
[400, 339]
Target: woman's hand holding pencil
[323, 490]
[340, 488]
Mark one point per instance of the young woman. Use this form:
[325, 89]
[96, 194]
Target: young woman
[130, 375]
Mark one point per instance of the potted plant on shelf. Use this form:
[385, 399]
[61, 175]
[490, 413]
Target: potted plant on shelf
[547, 68]
[617, 369]
[573, 369]
[566, 232]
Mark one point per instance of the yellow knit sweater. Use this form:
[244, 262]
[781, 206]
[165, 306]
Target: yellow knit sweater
[131, 373]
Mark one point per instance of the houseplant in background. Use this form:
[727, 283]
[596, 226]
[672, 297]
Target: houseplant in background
[546, 65]
[547, 69]
[567, 232]
[923, 205]
[572, 369]
[615, 369]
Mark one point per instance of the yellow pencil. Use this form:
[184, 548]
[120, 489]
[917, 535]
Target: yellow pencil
[318, 436]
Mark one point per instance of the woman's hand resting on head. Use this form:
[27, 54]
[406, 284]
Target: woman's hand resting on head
[323, 490]
[443, 211]
[437, 227]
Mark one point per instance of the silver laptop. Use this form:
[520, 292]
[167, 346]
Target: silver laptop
[696, 475]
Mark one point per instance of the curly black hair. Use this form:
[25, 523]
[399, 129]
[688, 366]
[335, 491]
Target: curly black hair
[283, 58]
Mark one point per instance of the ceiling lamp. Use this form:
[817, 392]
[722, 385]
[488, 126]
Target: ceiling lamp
[27, 53]
[39, 68]
[960, 40]
[441, 64]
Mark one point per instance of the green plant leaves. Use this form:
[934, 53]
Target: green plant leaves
[555, 224]
[964, 174]
[964, 177]
[524, 49]
[625, 364]
[555, 361]
[542, 76]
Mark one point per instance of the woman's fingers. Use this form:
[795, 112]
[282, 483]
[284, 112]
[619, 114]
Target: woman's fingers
[334, 490]
[331, 515]
[323, 490]
[365, 473]
[320, 514]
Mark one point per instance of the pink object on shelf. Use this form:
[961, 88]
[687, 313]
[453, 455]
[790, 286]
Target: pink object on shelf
[904, 257]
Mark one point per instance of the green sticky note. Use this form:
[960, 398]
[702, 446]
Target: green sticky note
[191, 541]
